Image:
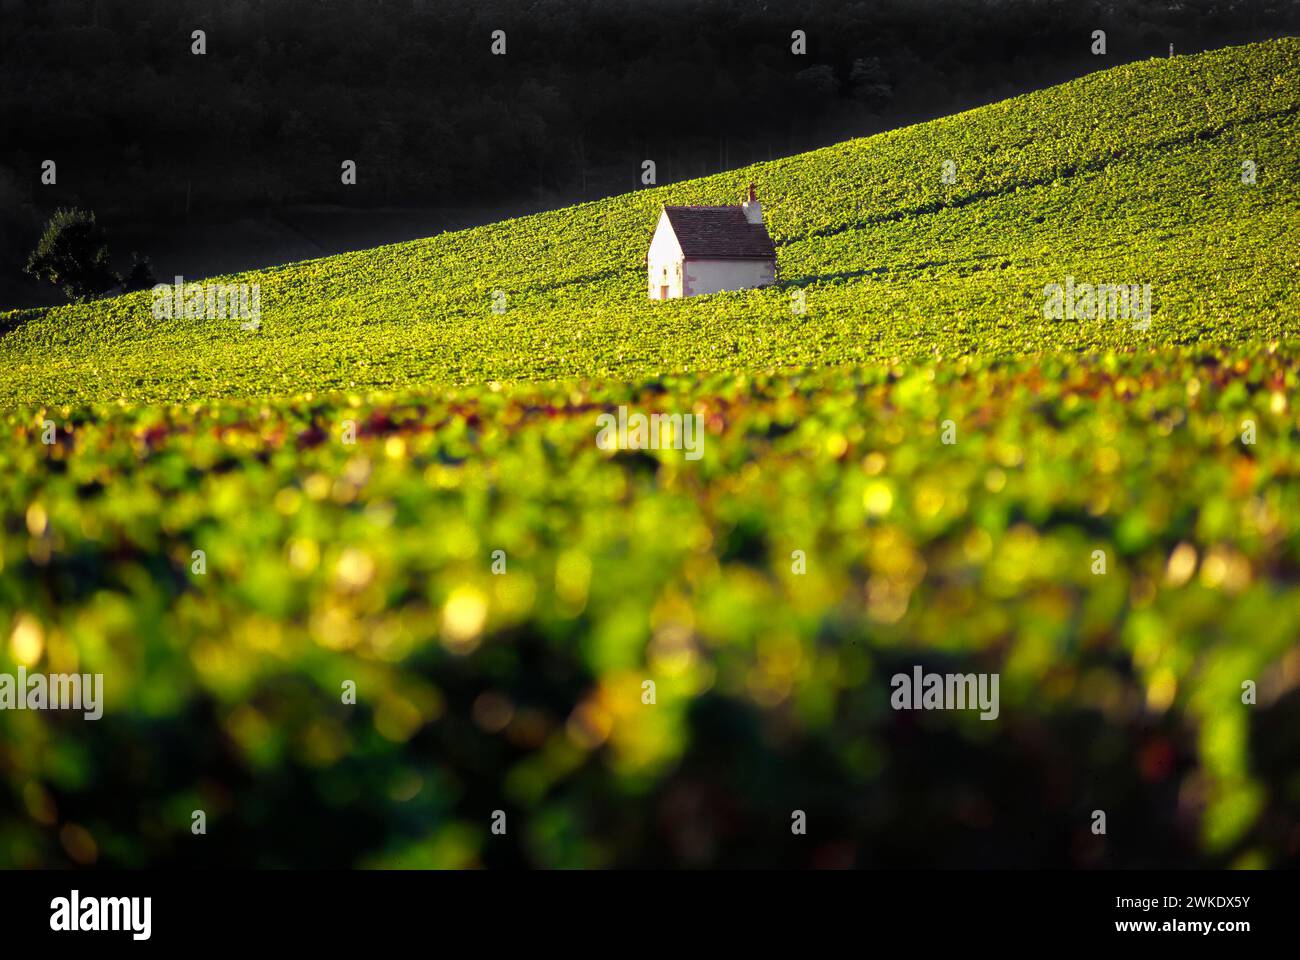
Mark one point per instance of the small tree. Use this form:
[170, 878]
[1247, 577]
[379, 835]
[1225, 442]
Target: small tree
[73, 255]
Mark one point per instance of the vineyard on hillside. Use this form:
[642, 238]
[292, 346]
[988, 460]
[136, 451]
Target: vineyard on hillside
[1131, 175]
[390, 491]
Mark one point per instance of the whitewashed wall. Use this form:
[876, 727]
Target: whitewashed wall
[664, 264]
[710, 276]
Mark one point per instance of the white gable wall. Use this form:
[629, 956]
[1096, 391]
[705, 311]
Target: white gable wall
[664, 262]
[710, 276]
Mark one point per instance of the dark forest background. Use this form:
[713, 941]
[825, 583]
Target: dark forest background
[232, 159]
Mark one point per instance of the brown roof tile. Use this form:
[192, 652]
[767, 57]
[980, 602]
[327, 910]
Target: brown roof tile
[720, 232]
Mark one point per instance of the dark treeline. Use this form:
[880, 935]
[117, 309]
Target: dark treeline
[143, 130]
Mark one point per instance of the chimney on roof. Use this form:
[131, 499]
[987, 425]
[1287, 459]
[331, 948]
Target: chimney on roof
[753, 209]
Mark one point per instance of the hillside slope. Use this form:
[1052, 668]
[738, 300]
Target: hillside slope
[1130, 175]
[230, 566]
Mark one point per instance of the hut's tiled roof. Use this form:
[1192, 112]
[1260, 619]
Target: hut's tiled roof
[720, 233]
